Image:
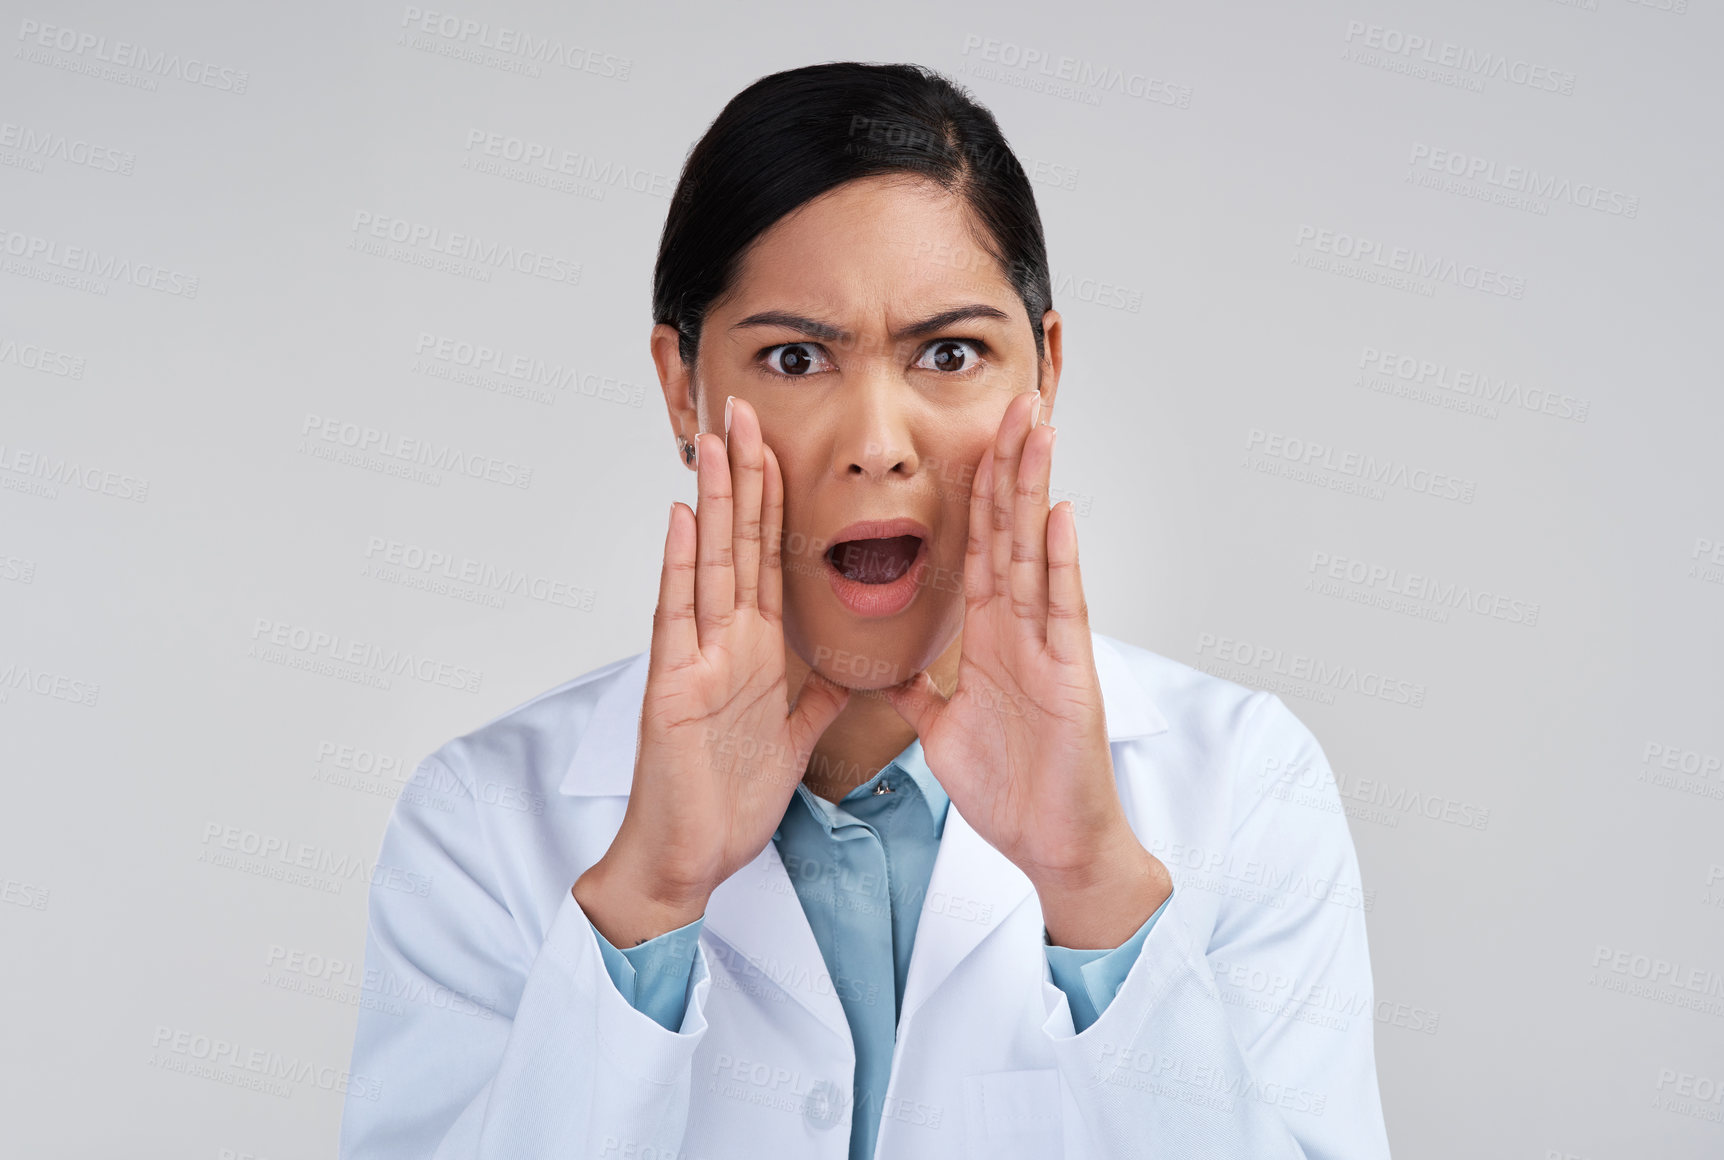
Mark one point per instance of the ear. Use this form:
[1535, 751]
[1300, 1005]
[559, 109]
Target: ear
[1052, 360]
[673, 379]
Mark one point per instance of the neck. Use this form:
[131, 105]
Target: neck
[868, 734]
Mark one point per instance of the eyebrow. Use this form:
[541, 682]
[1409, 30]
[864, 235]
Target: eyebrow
[825, 330]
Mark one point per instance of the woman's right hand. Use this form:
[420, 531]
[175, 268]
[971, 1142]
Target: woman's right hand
[720, 753]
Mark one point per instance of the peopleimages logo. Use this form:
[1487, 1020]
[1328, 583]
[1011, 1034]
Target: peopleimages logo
[1447, 594]
[15, 677]
[465, 33]
[1075, 72]
[301, 863]
[1413, 46]
[176, 1047]
[1658, 971]
[1368, 468]
[606, 173]
[364, 655]
[387, 558]
[41, 359]
[343, 978]
[1523, 179]
[125, 54]
[1465, 381]
[46, 468]
[86, 260]
[1261, 660]
[429, 453]
[47, 145]
[467, 247]
[1416, 263]
[528, 369]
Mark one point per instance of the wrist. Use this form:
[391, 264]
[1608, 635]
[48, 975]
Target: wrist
[629, 907]
[1101, 904]
[664, 873]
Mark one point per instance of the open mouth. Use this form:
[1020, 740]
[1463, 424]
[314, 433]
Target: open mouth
[874, 561]
[877, 567]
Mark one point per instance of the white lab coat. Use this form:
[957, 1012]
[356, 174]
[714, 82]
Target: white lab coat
[1244, 1029]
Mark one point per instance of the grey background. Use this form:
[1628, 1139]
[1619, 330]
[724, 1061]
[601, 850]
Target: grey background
[146, 723]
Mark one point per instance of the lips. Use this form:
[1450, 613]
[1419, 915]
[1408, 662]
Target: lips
[875, 567]
[876, 551]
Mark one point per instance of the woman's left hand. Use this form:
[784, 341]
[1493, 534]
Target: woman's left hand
[1021, 744]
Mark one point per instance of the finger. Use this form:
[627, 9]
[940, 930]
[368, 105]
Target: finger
[918, 700]
[674, 640]
[746, 469]
[979, 548]
[1068, 615]
[1029, 568]
[715, 573]
[772, 536]
[1008, 450]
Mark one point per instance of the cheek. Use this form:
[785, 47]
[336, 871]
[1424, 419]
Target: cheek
[955, 473]
[801, 553]
[798, 492]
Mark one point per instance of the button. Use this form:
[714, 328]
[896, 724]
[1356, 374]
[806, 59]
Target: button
[823, 1106]
[884, 787]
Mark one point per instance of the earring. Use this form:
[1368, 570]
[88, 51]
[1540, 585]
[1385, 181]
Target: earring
[687, 450]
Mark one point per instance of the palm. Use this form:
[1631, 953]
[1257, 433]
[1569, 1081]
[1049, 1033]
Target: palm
[1010, 717]
[728, 705]
[1020, 742]
[720, 752]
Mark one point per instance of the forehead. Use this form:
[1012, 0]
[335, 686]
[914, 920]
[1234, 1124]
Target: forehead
[895, 243]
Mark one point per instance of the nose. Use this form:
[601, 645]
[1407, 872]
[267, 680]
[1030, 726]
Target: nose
[875, 441]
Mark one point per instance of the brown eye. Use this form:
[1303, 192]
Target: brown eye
[948, 356]
[795, 358]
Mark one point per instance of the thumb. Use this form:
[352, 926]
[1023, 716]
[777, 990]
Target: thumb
[818, 703]
[918, 700]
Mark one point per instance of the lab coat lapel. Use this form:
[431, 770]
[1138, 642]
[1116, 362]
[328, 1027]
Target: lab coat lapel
[971, 891]
[757, 912]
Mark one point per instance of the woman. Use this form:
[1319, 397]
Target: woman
[856, 859]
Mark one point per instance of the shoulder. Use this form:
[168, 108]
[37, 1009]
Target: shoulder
[532, 744]
[1215, 724]
[1189, 700]
[1236, 785]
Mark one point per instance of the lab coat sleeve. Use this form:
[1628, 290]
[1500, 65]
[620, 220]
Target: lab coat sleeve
[654, 975]
[1194, 1056]
[1091, 978]
[480, 1045]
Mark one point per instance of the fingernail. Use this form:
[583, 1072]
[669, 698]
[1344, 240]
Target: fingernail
[1036, 409]
[697, 450]
[728, 400]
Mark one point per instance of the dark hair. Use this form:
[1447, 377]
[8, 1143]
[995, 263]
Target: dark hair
[792, 136]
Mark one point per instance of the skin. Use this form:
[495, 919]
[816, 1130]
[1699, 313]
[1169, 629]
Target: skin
[753, 654]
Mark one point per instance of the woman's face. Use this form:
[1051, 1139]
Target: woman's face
[879, 344]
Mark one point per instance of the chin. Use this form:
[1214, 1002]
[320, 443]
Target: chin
[868, 656]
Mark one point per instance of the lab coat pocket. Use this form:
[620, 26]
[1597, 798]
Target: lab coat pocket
[1013, 1115]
